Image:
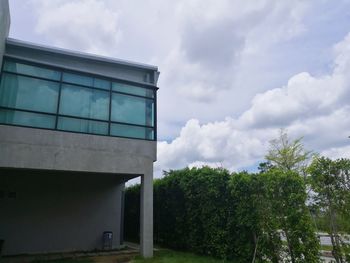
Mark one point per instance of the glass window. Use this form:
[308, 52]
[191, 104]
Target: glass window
[84, 102]
[132, 90]
[132, 131]
[77, 79]
[28, 93]
[29, 96]
[27, 119]
[86, 126]
[131, 109]
[102, 84]
[17, 67]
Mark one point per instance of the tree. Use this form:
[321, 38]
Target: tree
[264, 204]
[287, 159]
[254, 220]
[288, 155]
[286, 194]
[265, 167]
[330, 180]
[236, 216]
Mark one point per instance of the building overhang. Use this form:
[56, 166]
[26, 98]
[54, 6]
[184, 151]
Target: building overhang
[78, 61]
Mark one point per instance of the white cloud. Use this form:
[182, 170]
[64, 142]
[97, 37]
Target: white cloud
[307, 106]
[198, 45]
[223, 58]
[87, 24]
[303, 97]
[212, 143]
[337, 152]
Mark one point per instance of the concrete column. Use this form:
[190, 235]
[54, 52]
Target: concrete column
[4, 25]
[146, 215]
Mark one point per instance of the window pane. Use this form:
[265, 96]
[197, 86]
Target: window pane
[77, 79]
[31, 70]
[102, 84]
[132, 89]
[28, 93]
[27, 119]
[131, 131]
[84, 102]
[131, 109]
[86, 126]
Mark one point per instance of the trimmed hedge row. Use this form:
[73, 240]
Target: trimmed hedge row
[230, 216]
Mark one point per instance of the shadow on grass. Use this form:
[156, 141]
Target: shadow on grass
[170, 256]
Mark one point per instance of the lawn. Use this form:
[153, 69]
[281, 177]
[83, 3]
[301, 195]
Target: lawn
[170, 256]
[161, 256]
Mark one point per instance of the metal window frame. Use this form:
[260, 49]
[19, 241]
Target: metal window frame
[94, 76]
[62, 69]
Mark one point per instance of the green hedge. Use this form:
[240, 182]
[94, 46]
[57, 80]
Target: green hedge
[132, 214]
[229, 216]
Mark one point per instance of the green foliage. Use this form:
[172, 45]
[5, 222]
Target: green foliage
[252, 219]
[233, 216]
[321, 219]
[265, 167]
[287, 196]
[170, 256]
[132, 213]
[169, 211]
[288, 155]
[267, 203]
[330, 180]
[190, 210]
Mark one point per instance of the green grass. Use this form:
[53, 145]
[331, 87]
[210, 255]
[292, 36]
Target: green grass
[161, 256]
[327, 247]
[170, 256]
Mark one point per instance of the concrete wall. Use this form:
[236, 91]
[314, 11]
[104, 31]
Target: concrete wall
[73, 196]
[82, 62]
[31, 148]
[4, 26]
[58, 211]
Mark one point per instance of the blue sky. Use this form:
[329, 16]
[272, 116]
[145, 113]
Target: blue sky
[232, 72]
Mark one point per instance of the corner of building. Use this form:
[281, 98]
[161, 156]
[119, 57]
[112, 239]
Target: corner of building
[4, 26]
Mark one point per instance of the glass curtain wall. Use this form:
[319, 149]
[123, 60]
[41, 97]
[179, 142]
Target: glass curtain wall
[37, 96]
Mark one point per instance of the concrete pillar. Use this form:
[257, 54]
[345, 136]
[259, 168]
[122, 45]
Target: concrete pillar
[146, 215]
[4, 25]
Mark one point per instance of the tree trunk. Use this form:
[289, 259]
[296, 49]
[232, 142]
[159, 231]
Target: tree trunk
[275, 252]
[336, 251]
[256, 240]
[290, 247]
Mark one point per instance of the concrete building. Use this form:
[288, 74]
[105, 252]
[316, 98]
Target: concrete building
[73, 129]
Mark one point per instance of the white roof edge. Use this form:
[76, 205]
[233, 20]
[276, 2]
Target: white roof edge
[78, 54]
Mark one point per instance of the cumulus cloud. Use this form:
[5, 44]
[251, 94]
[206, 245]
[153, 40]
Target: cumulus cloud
[215, 144]
[214, 36]
[337, 152]
[307, 106]
[87, 24]
[303, 97]
[199, 45]
[216, 46]
[262, 64]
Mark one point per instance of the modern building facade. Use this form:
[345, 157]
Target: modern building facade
[73, 129]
